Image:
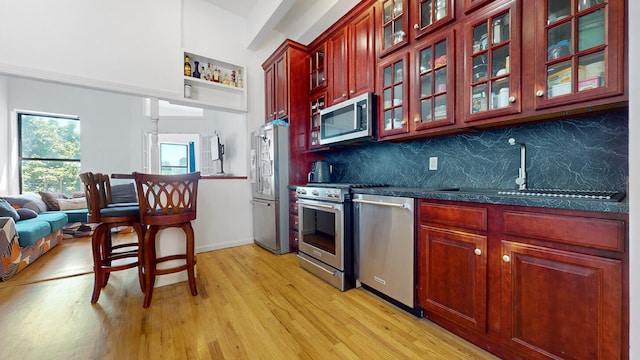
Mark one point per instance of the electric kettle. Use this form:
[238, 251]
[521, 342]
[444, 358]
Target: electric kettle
[320, 172]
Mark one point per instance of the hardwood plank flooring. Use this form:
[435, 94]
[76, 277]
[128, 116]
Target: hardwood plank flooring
[250, 305]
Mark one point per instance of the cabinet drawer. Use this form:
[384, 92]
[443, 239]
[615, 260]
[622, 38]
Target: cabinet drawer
[293, 208]
[453, 215]
[605, 234]
[293, 222]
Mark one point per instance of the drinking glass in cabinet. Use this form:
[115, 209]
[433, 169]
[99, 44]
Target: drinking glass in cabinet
[500, 29]
[480, 37]
[499, 93]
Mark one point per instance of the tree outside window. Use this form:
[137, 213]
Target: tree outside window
[49, 150]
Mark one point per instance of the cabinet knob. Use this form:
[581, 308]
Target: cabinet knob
[416, 26]
[351, 92]
[477, 252]
[344, 95]
[403, 34]
[506, 258]
[539, 93]
[512, 99]
[416, 119]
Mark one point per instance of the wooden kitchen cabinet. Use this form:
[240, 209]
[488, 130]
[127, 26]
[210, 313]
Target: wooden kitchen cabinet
[433, 96]
[351, 55]
[318, 102]
[285, 77]
[318, 67]
[523, 282]
[471, 5]
[579, 47]
[558, 304]
[394, 99]
[452, 263]
[429, 15]
[492, 67]
[293, 221]
[393, 25]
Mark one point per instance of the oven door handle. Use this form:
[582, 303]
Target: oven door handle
[369, 202]
[322, 206]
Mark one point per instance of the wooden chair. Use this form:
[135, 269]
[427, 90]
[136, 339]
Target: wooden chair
[108, 257]
[167, 201]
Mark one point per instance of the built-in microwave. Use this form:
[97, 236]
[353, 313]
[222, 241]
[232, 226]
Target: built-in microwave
[350, 120]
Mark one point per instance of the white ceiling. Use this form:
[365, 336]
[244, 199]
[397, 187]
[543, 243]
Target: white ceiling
[299, 20]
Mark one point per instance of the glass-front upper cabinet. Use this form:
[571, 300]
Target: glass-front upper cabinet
[394, 77]
[580, 42]
[393, 25]
[317, 104]
[434, 99]
[428, 15]
[317, 78]
[492, 69]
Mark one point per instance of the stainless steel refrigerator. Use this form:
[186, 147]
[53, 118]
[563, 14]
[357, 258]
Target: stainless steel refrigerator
[269, 174]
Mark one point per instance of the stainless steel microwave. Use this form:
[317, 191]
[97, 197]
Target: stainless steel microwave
[348, 121]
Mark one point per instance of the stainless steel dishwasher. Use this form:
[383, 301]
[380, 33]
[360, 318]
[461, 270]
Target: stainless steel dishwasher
[384, 241]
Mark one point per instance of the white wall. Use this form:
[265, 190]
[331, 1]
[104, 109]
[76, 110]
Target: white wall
[4, 139]
[634, 177]
[123, 45]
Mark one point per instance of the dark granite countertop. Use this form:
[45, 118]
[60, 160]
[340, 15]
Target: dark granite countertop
[491, 196]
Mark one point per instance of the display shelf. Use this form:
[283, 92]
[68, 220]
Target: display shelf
[228, 92]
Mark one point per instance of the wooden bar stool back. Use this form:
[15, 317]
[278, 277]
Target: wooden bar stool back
[167, 201]
[109, 257]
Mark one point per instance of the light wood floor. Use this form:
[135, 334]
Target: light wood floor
[251, 305]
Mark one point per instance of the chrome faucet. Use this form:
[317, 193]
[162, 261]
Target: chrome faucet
[522, 172]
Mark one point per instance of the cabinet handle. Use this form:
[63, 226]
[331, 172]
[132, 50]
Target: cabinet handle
[512, 99]
[477, 252]
[506, 258]
[416, 26]
[539, 93]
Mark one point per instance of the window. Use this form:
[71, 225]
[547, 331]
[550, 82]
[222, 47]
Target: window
[49, 153]
[176, 158]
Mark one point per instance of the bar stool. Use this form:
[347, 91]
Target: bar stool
[167, 201]
[105, 253]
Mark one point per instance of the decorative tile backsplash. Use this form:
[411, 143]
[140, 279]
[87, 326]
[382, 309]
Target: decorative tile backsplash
[583, 153]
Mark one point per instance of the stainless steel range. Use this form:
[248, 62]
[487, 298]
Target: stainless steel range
[325, 232]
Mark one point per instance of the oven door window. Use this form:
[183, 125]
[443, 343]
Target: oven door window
[321, 232]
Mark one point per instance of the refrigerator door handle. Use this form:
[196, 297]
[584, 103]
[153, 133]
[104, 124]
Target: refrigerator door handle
[260, 203]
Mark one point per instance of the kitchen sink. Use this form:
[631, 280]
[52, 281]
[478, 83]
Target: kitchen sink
[567, 194]
[550, 193]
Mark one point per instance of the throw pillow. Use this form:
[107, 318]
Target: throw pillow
[124, 193]
[6, 210]
[29, 201]
[72, 204]
[51, 199]
[77, 194]
[26, 213]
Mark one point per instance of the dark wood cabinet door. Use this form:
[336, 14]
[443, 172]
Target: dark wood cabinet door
[558, 304]
[269, 93]
[433, 96]
[492, 63]
[281, 87]
[393, 25]
[393, 79]
[452, 276]
[338, 67]
[362, 54]
[579, 51]
[471, 5]
[317, 67]
[429, 15]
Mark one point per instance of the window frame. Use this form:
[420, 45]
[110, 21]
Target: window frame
[19, 118]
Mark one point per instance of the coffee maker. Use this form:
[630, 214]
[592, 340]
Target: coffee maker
[320, 172]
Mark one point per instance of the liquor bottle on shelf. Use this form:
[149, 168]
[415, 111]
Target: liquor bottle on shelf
[216, 75]
[209, 75]
[239, 78]
[187, 66]
[196, 72]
